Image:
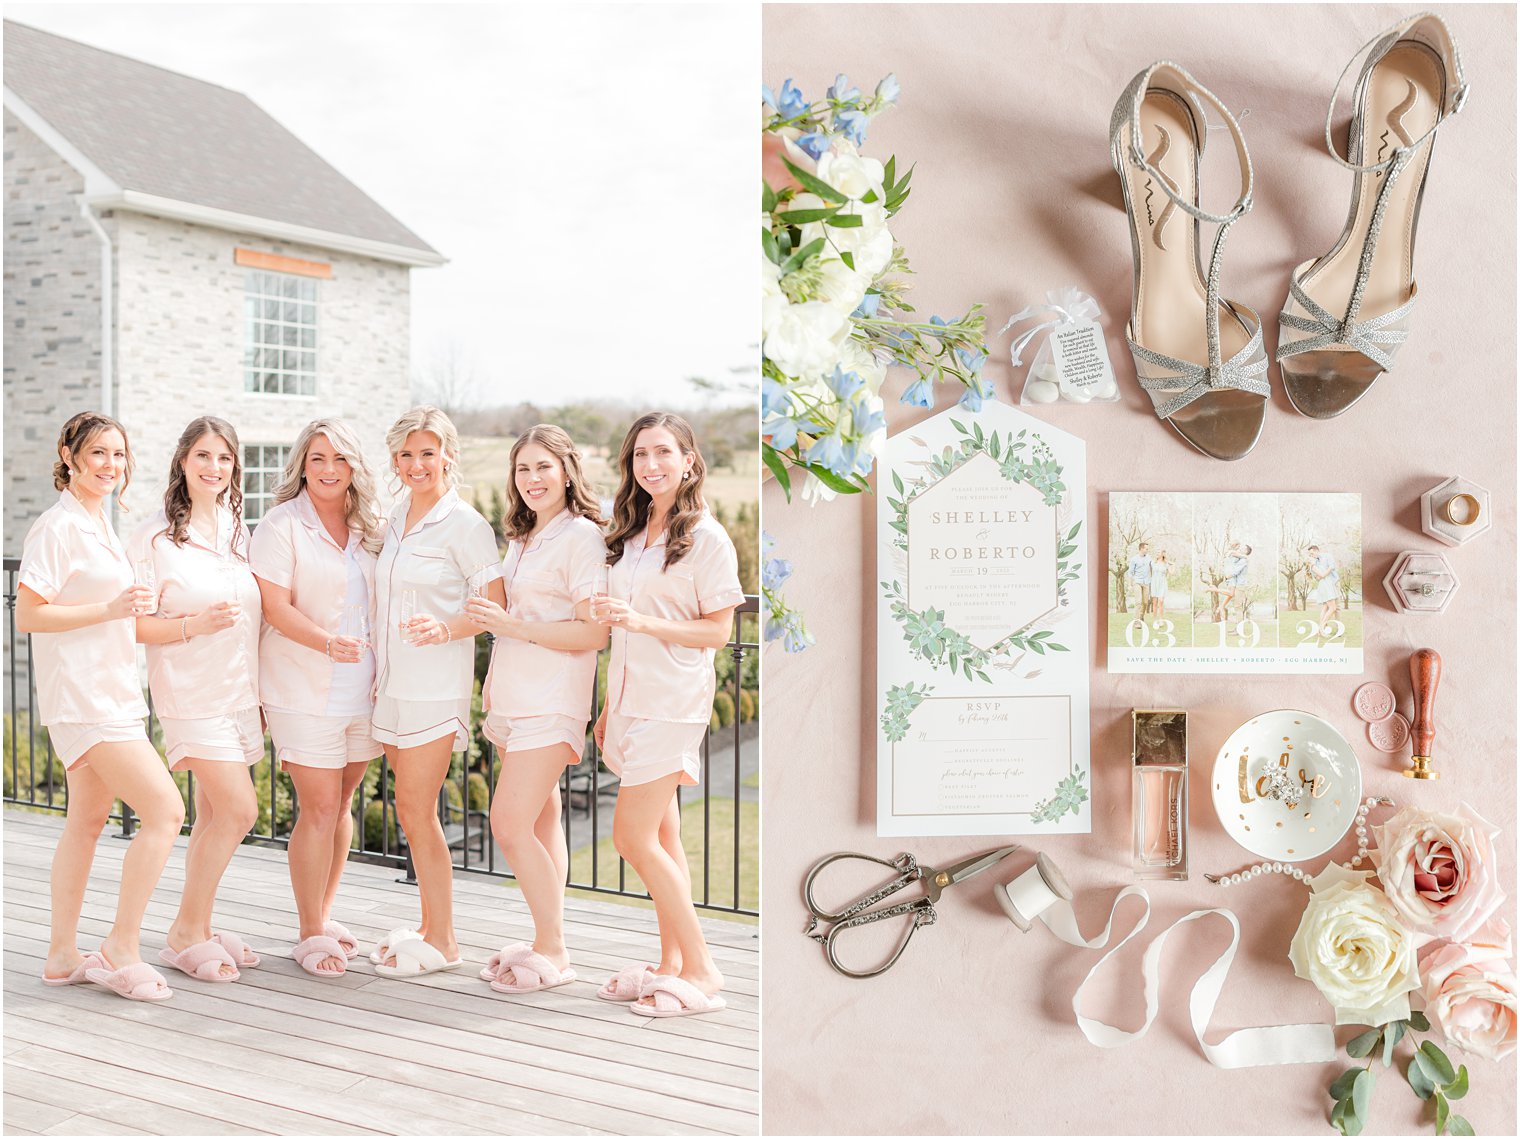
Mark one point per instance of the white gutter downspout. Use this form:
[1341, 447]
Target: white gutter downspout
[107, 345]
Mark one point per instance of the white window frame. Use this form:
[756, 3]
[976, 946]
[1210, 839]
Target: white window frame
[260, 479]
[280, 333]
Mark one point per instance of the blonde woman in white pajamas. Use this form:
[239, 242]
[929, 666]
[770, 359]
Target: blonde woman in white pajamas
[437, 548]
[203, 653]
[314, 556]
[76, 597]
[673, 590]
[538, 691]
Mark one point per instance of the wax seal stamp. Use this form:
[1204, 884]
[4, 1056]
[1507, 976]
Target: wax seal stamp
[1373, 702]
[1425, 672]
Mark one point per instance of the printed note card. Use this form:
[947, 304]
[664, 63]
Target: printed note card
[1234, 583]
[982, 628]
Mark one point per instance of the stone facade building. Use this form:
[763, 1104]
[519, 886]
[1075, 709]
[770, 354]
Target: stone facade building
[172, 251]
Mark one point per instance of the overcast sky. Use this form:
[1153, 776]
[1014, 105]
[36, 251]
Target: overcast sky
[588, 169]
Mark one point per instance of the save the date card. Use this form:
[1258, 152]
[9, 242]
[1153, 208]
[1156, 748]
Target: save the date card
[1234, 583]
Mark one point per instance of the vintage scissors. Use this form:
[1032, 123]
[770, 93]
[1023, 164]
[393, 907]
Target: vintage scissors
[859, 912]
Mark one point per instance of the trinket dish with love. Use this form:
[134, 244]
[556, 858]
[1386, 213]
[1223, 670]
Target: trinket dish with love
[1286, 785]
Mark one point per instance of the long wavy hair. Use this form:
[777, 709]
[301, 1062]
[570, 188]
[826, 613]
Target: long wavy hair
[177, 493]
[630, 508]
[519, 519]
[362, 514]
[435, 422]
[77, 434]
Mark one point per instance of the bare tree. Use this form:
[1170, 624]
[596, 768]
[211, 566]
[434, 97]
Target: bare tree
[447, 379]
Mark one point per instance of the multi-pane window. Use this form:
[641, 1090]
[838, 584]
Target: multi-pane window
[280, 333]
[263, 466]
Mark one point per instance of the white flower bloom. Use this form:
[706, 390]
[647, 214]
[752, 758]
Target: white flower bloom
[855, 357]
[841, 286]
[1352, 945]
[851, 175]
[814, 492]
[802, 339]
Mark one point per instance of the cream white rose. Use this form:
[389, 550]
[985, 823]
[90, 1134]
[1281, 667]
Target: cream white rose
[1439, 870]
[852, 175]
[802, 339]
[1353, 947]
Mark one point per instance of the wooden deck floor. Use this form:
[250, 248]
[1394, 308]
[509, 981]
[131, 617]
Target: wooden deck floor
[279, 1052]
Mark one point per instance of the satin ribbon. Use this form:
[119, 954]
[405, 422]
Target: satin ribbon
[1243, 1048]
[1068, 303]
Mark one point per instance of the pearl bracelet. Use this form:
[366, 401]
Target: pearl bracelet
[184, 635]
[1297, 872]
[328, 649]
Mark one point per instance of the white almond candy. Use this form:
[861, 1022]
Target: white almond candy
[1042, 391]
[1109, 390]
[1048, 372]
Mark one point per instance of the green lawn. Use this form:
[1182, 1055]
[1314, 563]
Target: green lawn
[1291, 635]
[721, 843]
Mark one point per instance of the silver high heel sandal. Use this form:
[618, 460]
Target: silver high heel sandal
[1199, 356]
[1410, 86]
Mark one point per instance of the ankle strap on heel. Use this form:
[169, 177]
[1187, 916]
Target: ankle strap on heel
[1426, 28]
[1168, 76]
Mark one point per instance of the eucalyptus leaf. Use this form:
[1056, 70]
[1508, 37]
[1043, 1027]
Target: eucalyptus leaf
[1363, 1045]
[1443, 1110]
[1458, 1125]
[1361, 1092]
[1440, 1067]
[1338, 1115]
[1342, 1086]
[1393, 1033]
[1352, 1122]
[777, 467]
[1457, 1088]
[1419, 1078]
[1419, 1022]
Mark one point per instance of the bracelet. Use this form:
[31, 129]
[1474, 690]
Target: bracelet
[184, 635]
[328, 649]
[1297, 872]
[448, 634]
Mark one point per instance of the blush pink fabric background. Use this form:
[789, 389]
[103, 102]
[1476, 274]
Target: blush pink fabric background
[1005, 110]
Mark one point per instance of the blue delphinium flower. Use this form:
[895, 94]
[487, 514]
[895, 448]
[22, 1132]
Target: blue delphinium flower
[888, 90]
[844, 384]
[775, 573]
[829, 452]
[868, 420]
[920, 393]
[775, 627]
[774, 398]
[768, 97]
[815, 144]
[791, 101]
[797, 638]
[971, 361]
[980, 390]
[868, 305]
[782, 432]
[853, 124]
[841, 91]
[767, 543]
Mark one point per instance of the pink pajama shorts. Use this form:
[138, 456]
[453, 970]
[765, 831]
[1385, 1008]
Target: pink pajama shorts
[321, 741]
[71, 741]
[529, 733]
[235, 737]
[641, 751]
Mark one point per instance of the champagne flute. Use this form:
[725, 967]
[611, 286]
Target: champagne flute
[408, 611]
[356, 624]
[144, 575]
[601, 588]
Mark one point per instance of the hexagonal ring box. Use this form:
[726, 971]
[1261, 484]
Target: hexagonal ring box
[1421, 581]
[1455, 512]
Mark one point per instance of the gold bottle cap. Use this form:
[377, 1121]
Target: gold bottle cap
[1160, 736]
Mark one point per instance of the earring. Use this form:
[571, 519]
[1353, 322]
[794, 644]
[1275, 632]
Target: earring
[687, 475]
[567, 484]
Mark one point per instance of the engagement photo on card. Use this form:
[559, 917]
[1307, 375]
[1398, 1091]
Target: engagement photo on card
[430, 803]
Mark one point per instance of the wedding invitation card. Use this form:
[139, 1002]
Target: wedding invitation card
[1234, 583]
[982, 628]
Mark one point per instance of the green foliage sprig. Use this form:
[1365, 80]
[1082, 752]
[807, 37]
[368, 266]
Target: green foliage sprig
[1430, 1074]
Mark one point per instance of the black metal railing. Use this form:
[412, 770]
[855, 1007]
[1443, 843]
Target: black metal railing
[34, 778]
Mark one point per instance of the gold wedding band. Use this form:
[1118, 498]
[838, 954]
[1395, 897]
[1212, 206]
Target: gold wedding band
[1473, 509]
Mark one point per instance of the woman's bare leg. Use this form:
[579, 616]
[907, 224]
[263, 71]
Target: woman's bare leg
[420, 772]
[226, 811]
[319, 802]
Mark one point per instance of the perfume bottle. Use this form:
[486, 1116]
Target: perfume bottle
[1160, 793]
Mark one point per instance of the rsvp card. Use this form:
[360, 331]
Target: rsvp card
[982, 628]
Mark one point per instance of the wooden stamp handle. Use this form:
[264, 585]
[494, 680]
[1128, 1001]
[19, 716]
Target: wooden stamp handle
[1425, 674]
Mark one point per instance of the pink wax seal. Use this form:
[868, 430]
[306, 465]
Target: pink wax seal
[1390, 734]
[1373, 702]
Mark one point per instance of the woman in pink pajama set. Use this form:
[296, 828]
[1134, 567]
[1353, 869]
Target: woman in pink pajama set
[203, 653]
[538, 691]
[674, 586]
[76, 597]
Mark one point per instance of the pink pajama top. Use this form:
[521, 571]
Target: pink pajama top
[292, 549]
[88, 675]
[450, 549]
[653, 679]
[215, 673]
[546, 578]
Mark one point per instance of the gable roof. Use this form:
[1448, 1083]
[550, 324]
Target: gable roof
[164, 143]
